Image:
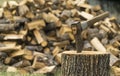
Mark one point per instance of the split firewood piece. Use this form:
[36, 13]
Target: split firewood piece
[97, 8]
[116, 70]
[65, 29]
[11, 69]
[23, 32]
[11, 37]
[58, 58]
[36, 24]
[109, 25]
[85, 6]
[28, 55]
[9, 48]
[97, 44]
[113, 59]
[41, 2]
[36, 64]
[46, 69]
[1, 12]
[113, 50]
[71, 36]
[7, 27]
[104, 28]
[62, 43]
[47, 51]
[17, 53]
[30, 15]
[8, 14]
[79, 2]
[85, 15]
[8, 60]
[42, 56]
[40, 39]
[56, 51]
[7, 44]
[22, 71]
[51, 18]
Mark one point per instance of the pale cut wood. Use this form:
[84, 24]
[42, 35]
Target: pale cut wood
[86, 63]
[8, 15]
[41, 2]
[98, 45]
[46, 69]
[56, 51]
[1, 12]
[28, 55]
[116, 70]
[64, 29]
[12, 36]
[39, 38]
[86, 15]
[50, 17]
[9, 48]
[7, 60]
[17, 53]
[113, 50]
[104, 28]
[36, 64]
[30, 15]
[36, 24]
[62, 43]
[58, 58]
[113, 59]
[11, 69]
[8, 44]
[86, 6]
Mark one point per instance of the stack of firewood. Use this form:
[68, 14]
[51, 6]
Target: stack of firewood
[34, 33]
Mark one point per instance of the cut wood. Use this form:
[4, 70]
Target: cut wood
[98, 45]
[36, 24]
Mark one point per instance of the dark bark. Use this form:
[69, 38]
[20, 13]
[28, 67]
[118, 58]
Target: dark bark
[85, 64]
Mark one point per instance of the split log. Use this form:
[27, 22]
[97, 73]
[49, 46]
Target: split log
[17, 53]
[40, 37]
[86, 63]
[98, 45]
[36, 24]
[9, 48]
[116, 70]
[38, 65]
[87, 16]
[11, 37]
[47, 69]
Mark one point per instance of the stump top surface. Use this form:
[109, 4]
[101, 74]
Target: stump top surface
[85, 53]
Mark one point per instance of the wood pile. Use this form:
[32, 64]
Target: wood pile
[34, 33]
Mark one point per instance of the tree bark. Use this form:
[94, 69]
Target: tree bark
[86, 63]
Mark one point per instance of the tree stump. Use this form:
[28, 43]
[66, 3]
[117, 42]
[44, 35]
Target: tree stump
[86, 63]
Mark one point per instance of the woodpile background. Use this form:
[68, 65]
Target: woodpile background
[34, 33]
